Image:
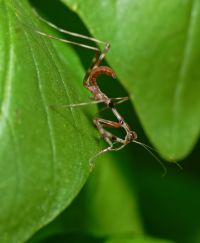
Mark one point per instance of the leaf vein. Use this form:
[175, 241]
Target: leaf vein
[49, 125]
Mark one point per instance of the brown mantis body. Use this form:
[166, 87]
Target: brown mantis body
[91, 84]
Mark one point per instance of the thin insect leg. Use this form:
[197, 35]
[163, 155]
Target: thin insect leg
[120, 100]
[100, 123]
[107, 123]
[107, 136]
[91, 164]
[17, 13]
[119, 148]
[66, 31]
[130, 134]
[64, 40]
[105, 50]
[99, 56]
[105, 150]
[96, 61]
[79, 104]
[103, 53]
[93, 63]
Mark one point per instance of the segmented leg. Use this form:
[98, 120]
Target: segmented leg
[108, 136]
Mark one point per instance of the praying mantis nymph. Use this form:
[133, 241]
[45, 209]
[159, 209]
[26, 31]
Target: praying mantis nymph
[114, 142]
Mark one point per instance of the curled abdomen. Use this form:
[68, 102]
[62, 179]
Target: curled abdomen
[91, 83]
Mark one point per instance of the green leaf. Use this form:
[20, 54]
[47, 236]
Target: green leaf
[106, 207]
[155, 53]
[44, 151]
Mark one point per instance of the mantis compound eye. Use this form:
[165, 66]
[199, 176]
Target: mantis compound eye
[133, 135]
